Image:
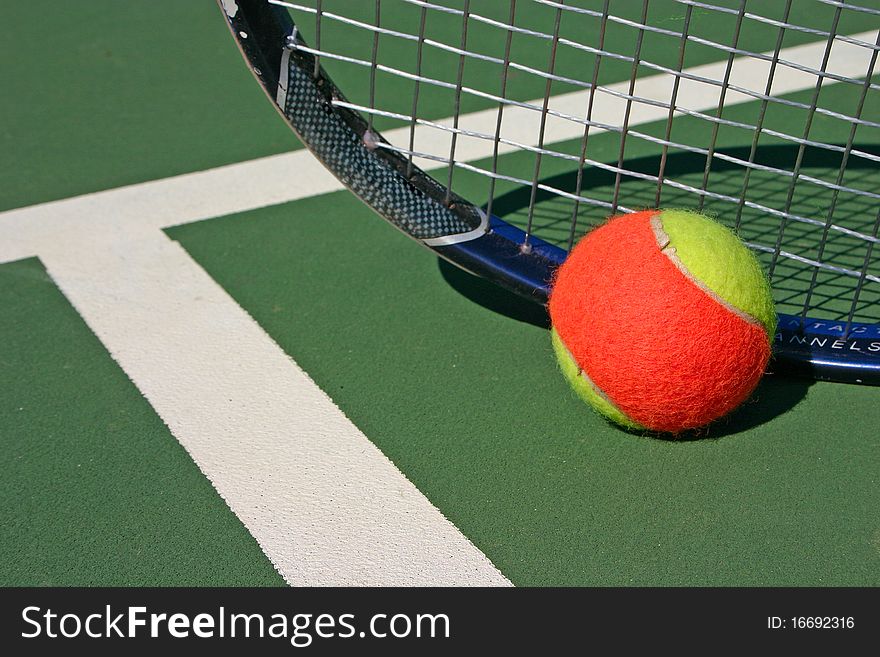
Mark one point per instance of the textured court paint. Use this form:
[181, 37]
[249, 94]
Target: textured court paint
[107, 98]
[782, 492]
[94, 489]
[322, 501]
[664, 352]
[135, 212]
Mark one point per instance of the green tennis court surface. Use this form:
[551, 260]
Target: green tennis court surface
[452, 380]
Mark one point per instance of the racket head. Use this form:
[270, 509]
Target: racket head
[521, 254]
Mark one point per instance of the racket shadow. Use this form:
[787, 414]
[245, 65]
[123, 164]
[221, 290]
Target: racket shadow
[552, 214]
[492, 297]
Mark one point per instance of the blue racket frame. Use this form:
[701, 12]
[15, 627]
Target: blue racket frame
[452, 227]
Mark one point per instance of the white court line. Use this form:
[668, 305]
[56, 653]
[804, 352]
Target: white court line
[291, 176]
[324, 504]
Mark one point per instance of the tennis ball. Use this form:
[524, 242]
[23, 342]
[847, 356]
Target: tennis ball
[662, 320]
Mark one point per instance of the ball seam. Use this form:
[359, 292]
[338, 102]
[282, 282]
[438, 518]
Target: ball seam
[601, 393]
[666, 248]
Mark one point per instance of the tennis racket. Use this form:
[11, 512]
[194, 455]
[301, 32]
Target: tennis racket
[497, 133]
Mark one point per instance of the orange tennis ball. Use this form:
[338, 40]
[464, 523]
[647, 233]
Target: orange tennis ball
[662, 320]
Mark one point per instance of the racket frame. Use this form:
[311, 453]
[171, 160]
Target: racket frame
[489, 247]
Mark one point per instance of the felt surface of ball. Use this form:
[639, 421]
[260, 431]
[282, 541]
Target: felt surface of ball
[662, 320]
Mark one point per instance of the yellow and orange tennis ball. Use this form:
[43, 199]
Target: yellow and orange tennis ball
[662, 320]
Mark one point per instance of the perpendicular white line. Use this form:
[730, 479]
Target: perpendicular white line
[147, 207]
[290, 176]
[326, 506]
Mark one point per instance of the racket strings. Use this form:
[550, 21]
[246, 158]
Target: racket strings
[670, 117]
[725, 83]
[548, 86]
[833, 206]
[456, 113]
[659, 68]
[691, 130]
[496, 138]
